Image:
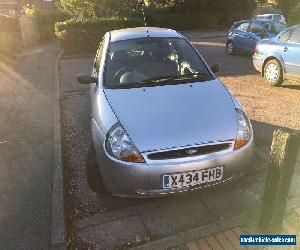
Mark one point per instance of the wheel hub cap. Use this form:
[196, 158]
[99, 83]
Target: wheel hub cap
[272, 72]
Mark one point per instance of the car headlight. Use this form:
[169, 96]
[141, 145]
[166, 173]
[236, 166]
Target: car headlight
[244, 130]
[119, 145]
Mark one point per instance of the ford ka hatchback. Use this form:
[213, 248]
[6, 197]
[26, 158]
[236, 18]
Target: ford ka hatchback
[161, 121]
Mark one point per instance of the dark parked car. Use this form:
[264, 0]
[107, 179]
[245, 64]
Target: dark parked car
[278, 58]
[244, 35]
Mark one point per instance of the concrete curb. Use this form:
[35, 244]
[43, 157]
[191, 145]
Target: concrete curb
[58, 224]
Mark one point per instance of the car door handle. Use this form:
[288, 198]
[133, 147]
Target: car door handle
[285, 49]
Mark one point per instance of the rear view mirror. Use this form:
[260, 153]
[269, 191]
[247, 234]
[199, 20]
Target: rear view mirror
[86, 79]
[216, 68]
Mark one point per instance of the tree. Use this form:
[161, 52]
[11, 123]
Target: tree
[286, 5]
[98, 8]
[163, 4]
[261, 3]
[294, 16]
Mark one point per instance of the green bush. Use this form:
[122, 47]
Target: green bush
[294, 17]
[46, 21]
[83, 35]
[30, 10]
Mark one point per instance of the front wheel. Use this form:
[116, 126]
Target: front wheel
[230, 48]
[93, 174]
[273, 73]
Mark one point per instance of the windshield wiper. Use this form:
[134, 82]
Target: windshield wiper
[175, 78]
[163, 79]
[191, 76]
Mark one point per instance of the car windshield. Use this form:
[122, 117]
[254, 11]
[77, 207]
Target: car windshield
[277, 17]
[153, 61]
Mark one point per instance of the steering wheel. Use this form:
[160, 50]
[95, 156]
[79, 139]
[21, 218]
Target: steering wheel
[122, 71]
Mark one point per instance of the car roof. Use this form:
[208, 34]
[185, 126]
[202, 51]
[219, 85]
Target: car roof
[257, 20]
[142, 32]
[270, 14]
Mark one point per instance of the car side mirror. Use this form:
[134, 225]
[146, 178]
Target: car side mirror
[216, 68]
[86, 79]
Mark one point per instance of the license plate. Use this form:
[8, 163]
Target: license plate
[194, 178]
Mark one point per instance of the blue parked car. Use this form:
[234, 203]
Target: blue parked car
[278, 58]
[244, 35]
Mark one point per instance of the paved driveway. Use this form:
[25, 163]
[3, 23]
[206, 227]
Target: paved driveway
[102, 221]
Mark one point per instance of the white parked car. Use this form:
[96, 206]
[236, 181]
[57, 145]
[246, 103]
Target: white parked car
[276, 17]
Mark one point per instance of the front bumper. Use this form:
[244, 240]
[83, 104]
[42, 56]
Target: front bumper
[145, 179]
[258, 63]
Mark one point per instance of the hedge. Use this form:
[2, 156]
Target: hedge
[294, 16]
[83, 35]
[46, 21]
[177, 21]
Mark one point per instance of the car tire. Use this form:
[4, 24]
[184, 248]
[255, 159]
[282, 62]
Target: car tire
[230, 48]
[273, 72]
[93, 175]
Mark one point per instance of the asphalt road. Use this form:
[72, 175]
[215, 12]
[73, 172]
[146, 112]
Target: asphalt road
[107, 222]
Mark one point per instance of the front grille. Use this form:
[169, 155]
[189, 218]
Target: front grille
[189, 152]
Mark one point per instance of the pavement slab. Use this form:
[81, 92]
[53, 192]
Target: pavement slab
[241, 197]
[176, 214]
[114, 234]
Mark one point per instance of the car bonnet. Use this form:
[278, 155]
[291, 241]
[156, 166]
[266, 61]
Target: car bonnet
[175, 115]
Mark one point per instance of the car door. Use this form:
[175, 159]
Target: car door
[290, 52]
[254, 35]
[240, 35]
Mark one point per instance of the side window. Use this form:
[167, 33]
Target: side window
[243, 26]
[256, 28]
[285, 37]
[295, 38]
[278, 27]
[277, 17]
[98, 57]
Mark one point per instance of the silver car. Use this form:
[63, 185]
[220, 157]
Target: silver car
[162, 123]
